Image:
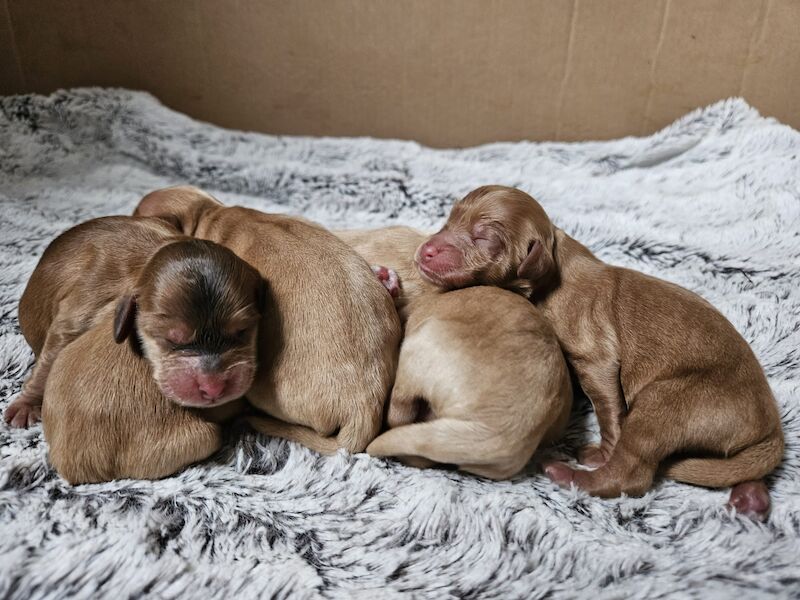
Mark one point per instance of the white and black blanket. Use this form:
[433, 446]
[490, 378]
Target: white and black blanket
[711, 203]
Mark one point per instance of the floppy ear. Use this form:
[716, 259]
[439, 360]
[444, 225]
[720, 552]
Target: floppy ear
[180, 206]
[124, 318]
[263, 295]
[539, 266]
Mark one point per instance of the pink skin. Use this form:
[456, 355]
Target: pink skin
[389, 279]
[439, 258]
[22, 413]
[190, 385]
[750, 498]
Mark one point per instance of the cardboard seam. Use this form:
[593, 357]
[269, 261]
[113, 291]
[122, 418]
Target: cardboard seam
[651, 91]
[567, 64]
[14, 49]
[755, 40]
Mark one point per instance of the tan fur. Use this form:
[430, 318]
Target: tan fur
[481, 369]
[109, 260]
[104, 417]
[328, 354]
[668, 375]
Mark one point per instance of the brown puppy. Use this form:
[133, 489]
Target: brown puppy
[481, 381]
[194, 305]
[668, 375]
[328, 357]
[105, 418]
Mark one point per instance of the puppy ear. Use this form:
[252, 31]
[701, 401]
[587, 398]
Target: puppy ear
[263, 295]
[539, 266]
[180, 206]
[124, 317]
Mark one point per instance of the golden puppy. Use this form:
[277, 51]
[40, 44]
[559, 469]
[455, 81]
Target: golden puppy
[328, 353]
[105, 418]
[481, 380]
[670, 378]
[193, 305]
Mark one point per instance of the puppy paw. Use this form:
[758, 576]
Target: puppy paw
[559, 473]
[751, 499]
[592, 456]
[23, 412]
[389, 279]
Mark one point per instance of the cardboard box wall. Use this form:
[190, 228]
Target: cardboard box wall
[443, 72]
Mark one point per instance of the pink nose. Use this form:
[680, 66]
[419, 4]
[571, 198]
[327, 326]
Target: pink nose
[429, 251]
[211, 386]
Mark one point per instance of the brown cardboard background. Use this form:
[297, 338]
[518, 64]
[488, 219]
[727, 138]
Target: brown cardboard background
[446, 73]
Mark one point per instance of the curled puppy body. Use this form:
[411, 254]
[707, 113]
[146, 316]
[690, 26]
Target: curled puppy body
[494, 378]
[194, 306]
[104, 417]
[481, 380]
[672, 382]
[328, 351]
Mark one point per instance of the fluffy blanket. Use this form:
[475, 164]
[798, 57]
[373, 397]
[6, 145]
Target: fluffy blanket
[712, 203]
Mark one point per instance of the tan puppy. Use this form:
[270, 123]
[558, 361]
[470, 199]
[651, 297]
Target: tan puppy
[105, 418]
[194, 305]
[328, 357]
[481, 380]
[670, 379]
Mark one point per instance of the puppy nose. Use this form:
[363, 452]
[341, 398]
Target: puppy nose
[211, 386]
[429, 251]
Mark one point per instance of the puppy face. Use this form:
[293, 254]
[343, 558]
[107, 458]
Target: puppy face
[495, 235]
[196, 310]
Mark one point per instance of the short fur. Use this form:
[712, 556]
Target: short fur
[151, 272]
[672, 382]
[481, 380]
[328, 358]
[105, 418]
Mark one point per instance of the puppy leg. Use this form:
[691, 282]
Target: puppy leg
[601, 384]
[406, 404]
[448, 441]
[26, 409]
[643, 442]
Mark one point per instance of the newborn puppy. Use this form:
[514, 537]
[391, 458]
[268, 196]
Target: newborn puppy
[670, 379]
[481, 380]
[194, 306]
[105, 418]
[329, 351]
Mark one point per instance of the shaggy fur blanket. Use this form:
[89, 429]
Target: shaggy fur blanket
[712, 203]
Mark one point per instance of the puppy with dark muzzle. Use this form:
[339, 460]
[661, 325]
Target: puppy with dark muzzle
[104, 417]
[192, 306]
[672, 382]
[328, 353]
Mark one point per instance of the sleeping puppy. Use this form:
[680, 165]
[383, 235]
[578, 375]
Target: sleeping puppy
[671, 380]
[194, 306]
[481, 380]
[105, 418]
[328, 353]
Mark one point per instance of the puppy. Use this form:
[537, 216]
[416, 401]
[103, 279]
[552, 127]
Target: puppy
[328, 355]
[105, 418]
[481, 380]
[194, 306]
[671, 380]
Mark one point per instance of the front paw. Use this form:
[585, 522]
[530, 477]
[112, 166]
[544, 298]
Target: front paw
[389, 279]
[559, 473]
[25, 411]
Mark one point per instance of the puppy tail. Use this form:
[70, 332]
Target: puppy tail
[353, 436]
[751, 463]
[468, 445]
